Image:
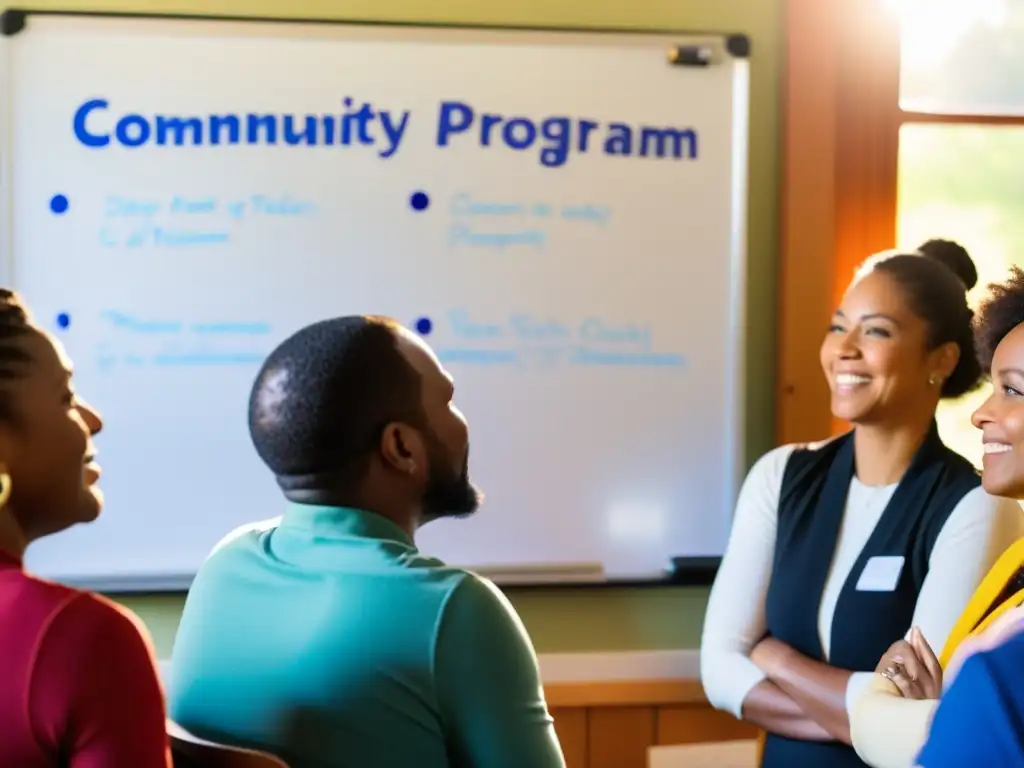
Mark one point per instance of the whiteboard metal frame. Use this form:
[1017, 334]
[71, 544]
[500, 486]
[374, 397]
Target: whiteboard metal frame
[695, 571]
[740, 270]
[14, 19]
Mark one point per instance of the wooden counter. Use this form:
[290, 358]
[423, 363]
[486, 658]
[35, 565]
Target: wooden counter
[612, 724]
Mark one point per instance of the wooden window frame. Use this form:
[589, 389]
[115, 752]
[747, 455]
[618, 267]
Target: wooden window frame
[840, 144]
[841, 124]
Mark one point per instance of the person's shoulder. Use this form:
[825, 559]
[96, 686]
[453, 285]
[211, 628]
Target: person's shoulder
[1005, 660]
[69, 604]
[475, 606]
[478, 587]
[473, 594]
[764, 480]
[85, 624]
[781, 454]
[772, 465]
[991, 671]
[45, 593]
[39, 603]
[243, 536]
[93, 614]
[774, 461]
[978, 502]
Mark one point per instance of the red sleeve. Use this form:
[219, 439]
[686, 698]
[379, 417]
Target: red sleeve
[94, 692]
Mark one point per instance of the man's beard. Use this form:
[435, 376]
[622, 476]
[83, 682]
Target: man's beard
[449, 493]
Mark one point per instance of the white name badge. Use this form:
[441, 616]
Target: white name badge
[881, 574]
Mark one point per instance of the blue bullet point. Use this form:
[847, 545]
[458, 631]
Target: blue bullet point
[419, 201]
[63, 320]
[58, 204]
[424, 326]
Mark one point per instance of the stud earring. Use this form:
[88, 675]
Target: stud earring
[5, 488]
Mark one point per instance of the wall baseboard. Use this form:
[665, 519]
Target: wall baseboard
[611, 666]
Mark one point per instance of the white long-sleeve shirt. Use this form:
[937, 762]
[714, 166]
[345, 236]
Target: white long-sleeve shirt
[975, 534]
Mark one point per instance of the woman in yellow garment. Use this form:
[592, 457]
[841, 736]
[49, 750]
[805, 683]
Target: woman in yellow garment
[890, 721]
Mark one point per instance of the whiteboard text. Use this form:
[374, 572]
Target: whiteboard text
[552, 140]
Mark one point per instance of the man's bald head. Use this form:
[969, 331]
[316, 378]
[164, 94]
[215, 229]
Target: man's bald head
[323, 396]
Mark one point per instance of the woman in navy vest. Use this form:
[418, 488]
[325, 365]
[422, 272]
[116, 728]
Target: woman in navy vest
[838, 549]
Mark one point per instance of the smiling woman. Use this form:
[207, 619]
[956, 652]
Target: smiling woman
[889, 721]
[1001, 417]
[51, 704]
[898, 305]
[839, 548]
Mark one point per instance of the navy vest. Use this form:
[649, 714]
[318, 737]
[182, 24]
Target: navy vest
[811, 505]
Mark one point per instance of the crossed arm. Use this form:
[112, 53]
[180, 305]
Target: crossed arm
[764, 681]
[758, 679]
[799, 697]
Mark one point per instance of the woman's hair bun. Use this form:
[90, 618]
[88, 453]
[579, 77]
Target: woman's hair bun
[954, 256]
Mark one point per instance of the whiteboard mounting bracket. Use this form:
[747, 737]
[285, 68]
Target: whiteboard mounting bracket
[737, 45]
[12, 21]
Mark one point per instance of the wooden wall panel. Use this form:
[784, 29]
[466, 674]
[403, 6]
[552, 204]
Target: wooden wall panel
[612, 725]
[571, 727]
[694, 723]
[624, 693]
[802, 411]
[839, 168]
[618, 737]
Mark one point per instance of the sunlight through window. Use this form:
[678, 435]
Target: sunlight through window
[931, 29]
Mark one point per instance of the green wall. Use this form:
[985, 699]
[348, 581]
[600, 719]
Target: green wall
[580, 619]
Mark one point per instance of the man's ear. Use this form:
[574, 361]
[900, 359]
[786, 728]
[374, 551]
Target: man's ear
[401, 447]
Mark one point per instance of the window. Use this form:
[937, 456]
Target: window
[961, 142]
[962, 57]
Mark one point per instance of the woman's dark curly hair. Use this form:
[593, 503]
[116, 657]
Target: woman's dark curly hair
[999, 314]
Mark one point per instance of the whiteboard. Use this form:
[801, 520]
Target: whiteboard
[561, 214]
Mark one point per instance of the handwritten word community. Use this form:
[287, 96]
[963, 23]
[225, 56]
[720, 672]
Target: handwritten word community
[97, 125]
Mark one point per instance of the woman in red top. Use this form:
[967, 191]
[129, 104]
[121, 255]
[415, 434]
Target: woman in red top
[78, 684]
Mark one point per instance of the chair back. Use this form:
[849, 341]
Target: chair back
[189, 751]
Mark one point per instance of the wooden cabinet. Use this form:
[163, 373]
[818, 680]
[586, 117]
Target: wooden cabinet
[611, 725]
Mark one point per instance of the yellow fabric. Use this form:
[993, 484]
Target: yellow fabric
[1014, 601]
[994, 582]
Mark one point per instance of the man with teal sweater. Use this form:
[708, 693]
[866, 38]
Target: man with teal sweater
[324, 636]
